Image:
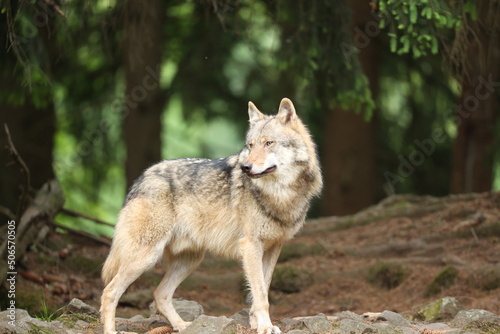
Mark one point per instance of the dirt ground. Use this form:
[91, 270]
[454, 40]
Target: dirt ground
[397, 255]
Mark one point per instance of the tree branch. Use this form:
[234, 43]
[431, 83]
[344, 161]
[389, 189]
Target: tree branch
[78, 214]
[24, 168]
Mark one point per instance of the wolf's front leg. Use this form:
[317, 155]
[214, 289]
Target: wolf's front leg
[252, 252]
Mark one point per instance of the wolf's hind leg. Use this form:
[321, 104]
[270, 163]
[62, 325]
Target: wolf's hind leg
[130, 269]
[179, 266]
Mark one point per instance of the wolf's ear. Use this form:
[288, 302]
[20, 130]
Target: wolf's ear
[286, 112]
[253, 113]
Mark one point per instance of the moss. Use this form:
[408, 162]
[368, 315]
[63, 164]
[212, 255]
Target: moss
[36, 302]
[299, 250]
[486, 278]
[430, 312]
[444, 279]
[46, 261]
[85, 265]
[487, 327]
[488, 231]
[69, 320]
[35, 329]
[290, 279]
[387, 275]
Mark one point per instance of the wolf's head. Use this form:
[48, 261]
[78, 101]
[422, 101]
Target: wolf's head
[277, 145]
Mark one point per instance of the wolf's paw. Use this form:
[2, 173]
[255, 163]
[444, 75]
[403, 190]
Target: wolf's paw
[253, 322]
[269, 330]
[179, 327]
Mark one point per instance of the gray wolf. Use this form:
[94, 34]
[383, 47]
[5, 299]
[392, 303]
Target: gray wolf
[244, 206]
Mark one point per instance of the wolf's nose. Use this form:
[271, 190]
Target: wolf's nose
[246, 167]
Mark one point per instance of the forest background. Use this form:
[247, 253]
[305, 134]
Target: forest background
[401, 96]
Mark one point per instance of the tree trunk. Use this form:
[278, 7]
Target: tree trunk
[32, 125]
[32, 130]
[472, 169]
[350, 141]
[144, 101]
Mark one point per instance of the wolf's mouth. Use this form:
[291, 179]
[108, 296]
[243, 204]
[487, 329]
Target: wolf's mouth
[267, 171]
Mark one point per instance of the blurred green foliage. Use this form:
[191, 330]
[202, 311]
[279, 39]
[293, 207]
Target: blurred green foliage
[214, 63]
[417, 26]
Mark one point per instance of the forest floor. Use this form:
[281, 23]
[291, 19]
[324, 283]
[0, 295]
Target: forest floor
[397, 255]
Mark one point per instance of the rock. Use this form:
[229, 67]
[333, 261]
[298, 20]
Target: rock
[30, 325]
[442, 309]
[137, 318]
[387, 327]
[242, 317]
[437, 326]
[80, 324]
[298, 331]
[384, 327]
[188, 310]
[349, 315]
[76, 306]
[474, 318]
[211, 325]
[139, 299]
[355, 327]
[395, 319]
[13, 315]
[317, 324]
[7, 329]
[288, 324]
[407, 330]
[16, 321]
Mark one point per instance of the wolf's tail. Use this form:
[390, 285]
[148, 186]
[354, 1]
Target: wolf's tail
[111, 266]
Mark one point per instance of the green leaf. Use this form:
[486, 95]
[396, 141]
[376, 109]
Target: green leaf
[313, 64]
[394, 44]
[434, 48]
[470, 7]
[413, 13]
[405, 40]
[427, 13]
[416, 52]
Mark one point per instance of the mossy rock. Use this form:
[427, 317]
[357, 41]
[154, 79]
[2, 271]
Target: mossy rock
[69, 320]
[444, 279]
[387, 275]
[484, 327]
[291, 279]
[442, 309]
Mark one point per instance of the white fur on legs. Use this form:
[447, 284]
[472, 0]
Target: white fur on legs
[136, 264]
[179, 267]
[110, 297]
[269, 260]
[252, 253]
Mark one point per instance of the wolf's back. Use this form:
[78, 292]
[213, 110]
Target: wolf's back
[158, 191]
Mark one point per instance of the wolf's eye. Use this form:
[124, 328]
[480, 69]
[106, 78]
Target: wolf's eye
[269, 143]
[250, 146]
